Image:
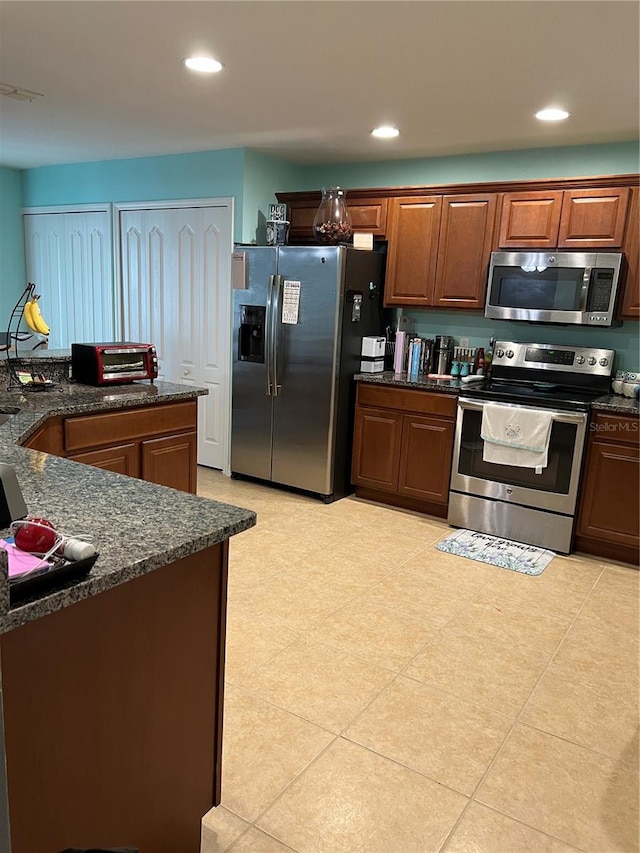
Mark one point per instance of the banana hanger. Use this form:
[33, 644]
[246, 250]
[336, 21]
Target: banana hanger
[20, 378]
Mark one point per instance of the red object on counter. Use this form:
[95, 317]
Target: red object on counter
[35, 535]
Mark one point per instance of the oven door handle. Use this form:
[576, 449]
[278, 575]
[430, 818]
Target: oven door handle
[561, 416]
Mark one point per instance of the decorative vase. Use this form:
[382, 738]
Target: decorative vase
[332, 222]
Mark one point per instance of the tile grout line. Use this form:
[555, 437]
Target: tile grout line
[361, 596]
[515, 723]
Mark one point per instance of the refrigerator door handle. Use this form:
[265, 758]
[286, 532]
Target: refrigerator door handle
[278, 279]
[269, 339]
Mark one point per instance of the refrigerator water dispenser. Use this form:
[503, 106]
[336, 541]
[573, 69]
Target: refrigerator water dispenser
[251, 337]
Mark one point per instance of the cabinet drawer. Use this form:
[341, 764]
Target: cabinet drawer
[422, 402]
[618, 429]
[128, 424]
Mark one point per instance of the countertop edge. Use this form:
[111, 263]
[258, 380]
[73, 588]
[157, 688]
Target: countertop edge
[614, 403]
[83, 500]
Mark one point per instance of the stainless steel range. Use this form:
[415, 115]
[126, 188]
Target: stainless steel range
[535, 505]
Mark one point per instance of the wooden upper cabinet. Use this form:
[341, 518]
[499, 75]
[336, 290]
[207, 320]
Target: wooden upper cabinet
[464, 249]
[367, 214]
[631, 303]
[414, 226]
[530, 220]
[569, 219]
[593, 218]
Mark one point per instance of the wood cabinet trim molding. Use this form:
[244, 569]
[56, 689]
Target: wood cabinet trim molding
[600, 181]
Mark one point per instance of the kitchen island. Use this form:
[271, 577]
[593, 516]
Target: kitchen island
[112, 685]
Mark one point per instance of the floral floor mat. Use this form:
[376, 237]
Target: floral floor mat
[498, 552]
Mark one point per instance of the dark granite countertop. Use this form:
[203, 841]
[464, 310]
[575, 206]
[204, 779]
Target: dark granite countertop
[136, 526]
[608, 403]
[401, 380]
[618, 404]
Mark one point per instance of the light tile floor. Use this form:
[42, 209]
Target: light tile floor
[384, 697]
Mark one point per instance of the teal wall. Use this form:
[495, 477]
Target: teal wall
[470, 324]
[263, 177]
[205, 174]
[577, 161]
[253, 179]
[12, 270]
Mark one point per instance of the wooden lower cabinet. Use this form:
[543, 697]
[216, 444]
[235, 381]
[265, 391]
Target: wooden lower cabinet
[113, 712]
[122, 459]
[425, 458]
[170, 461]
[376, 448]
[609, 510]
[156, 443]
[403, 445]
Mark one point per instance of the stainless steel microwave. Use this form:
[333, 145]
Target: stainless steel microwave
[565, 287]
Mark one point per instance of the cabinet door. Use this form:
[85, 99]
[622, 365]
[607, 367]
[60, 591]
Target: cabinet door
[530, 220]
[366, 215]
[464, 250]
[610, 508]
[369, 215]
[425, 459]
[631, 303]
[413, 240]
[593, 218]
[376, 448]
[170, 461]
[123, 459]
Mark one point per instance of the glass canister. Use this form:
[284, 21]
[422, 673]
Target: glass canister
[332, 222]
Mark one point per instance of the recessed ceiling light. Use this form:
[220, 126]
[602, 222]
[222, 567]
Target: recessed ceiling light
[385, 132]
[552, 114]
[205, 64]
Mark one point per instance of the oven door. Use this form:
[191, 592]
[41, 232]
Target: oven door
[555, 489]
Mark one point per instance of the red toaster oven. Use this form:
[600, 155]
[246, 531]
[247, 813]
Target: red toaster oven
[113, 363]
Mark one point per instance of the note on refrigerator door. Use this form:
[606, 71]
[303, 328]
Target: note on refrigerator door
[290, 302]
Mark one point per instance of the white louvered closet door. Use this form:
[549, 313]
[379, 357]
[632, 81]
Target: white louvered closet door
[175, 278]
[68, 257]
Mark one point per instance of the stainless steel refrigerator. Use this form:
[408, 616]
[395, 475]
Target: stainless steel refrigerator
[299, 317]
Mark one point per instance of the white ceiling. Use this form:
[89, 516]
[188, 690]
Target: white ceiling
[307, 79]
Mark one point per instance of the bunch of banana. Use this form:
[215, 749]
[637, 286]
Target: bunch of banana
[33, 317]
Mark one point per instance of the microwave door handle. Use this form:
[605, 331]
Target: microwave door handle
[584, 292]
[268, 338]
[278, 279]
[561, 416]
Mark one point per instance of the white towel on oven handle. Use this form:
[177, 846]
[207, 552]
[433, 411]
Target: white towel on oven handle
[516, 436]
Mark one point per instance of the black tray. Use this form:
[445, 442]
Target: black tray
[49, 578]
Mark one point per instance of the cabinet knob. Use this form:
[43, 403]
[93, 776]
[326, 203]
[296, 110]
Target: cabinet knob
[187, 371]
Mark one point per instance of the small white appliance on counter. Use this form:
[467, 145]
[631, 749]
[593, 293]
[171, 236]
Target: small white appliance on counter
[373, 347]
[372, 353]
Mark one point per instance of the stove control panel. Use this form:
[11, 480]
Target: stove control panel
[584, 360]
